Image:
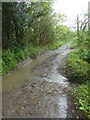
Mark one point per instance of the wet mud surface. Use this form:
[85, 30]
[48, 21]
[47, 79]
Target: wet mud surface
[46, 91]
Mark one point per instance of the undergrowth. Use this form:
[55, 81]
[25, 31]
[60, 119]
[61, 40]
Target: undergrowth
[56, 45]
[78, 68]
[11, 58]
[83, 97]
[78, 63]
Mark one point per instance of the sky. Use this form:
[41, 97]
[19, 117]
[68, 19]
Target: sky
[71, 8]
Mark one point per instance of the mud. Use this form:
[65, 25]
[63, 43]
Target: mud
[39, 89]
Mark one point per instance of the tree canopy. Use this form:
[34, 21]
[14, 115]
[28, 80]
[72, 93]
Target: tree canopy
[32, 22]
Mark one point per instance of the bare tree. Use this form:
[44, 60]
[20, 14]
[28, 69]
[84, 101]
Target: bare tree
[89, 15]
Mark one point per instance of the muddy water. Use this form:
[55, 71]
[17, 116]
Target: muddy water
[24, 70]
[37, 89]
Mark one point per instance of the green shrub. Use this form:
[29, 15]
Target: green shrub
[20, 55]
[78, 69]
[0, 67]
[74, 44]
[83, 96]
[8, 60]
[56, 45]
[34, 50]
[11, 58]
[78, 63]
[83, 53]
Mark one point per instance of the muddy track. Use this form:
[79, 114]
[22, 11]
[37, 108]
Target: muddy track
[45, 92]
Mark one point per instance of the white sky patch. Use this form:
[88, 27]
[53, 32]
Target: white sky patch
[71, 8]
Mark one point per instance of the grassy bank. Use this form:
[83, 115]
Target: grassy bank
[11, 58]
[79, 71]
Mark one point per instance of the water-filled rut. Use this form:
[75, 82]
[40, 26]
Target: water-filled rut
[39, 90]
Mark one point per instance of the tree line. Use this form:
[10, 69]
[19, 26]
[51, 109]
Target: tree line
[25, 23]
[29, 27]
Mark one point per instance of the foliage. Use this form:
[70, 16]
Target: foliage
[22, 18]
[74, 44]
[10, 58]
[0, 67]
[83, 54]
[33, 22]
[79, 69]
[62, 32]
[82, 45]
[56, 45]
[83, 95]
[8, 61]
[27, 29]
[14, 18]
[79, 65]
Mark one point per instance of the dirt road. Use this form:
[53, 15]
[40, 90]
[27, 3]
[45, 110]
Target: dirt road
[45, 92]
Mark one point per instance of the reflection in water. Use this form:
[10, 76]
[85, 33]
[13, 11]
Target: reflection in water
[63, 106]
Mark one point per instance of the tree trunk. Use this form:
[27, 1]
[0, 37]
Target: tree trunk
[78, 26]
[89, 16]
